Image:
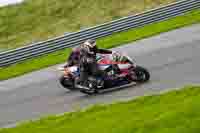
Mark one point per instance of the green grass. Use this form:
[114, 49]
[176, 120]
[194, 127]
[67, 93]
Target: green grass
[37, 20]
[173, 112]
[107, 42]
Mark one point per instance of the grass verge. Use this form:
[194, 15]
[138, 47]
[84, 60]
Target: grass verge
[107, 42]
[175, 112]
[37, 20]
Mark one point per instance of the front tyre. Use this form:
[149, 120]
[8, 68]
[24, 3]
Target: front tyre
[142, 74]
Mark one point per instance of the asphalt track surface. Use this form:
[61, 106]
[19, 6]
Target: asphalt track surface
[173, 59]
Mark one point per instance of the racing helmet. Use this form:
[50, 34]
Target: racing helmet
[89, 45]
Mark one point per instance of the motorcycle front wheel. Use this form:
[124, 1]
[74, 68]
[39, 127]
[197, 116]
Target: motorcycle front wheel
[142, 74]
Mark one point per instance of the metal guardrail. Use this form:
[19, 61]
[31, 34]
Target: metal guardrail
[72, 39]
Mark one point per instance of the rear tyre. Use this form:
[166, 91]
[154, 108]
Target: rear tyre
[142, 74]
[67, 83]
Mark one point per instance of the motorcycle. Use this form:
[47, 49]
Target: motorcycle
[119, 71]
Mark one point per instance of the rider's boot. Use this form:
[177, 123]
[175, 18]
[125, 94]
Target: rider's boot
[100, 83]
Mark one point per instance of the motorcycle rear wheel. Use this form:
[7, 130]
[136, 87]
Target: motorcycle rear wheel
[67, 83]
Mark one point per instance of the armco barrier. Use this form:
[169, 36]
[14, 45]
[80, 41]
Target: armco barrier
[72, 39]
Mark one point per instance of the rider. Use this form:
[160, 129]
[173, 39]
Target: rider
[88, 63]
[74, 57]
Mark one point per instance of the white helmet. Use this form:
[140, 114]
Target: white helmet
[89, 45]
